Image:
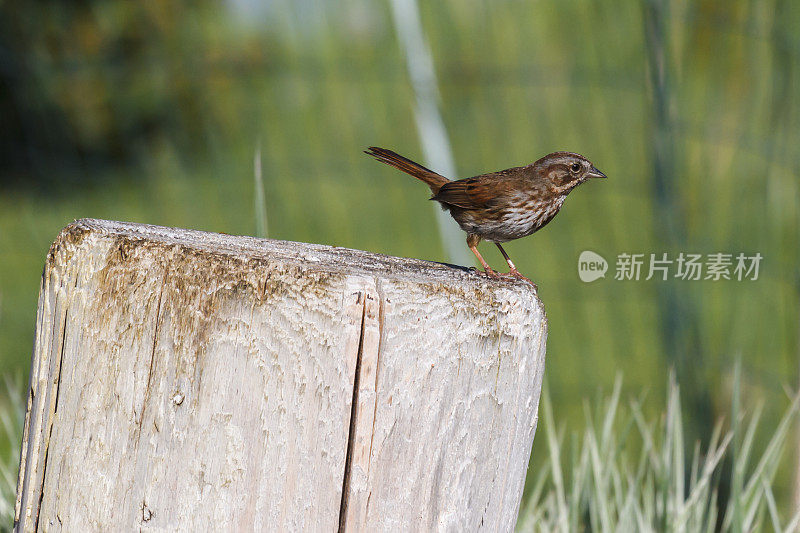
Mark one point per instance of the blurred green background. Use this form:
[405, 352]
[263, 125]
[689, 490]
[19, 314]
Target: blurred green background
[152, 112]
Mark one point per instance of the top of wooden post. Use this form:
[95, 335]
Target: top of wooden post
[315, 257]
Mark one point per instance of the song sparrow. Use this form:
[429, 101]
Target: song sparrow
[505, 205]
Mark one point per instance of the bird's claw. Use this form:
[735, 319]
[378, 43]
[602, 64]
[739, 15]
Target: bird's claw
[516, 274]
[491, 274]
[513, 274]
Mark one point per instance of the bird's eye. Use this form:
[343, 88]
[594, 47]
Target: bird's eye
[576, 167]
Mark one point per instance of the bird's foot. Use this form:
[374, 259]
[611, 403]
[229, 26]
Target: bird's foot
[516, 274]
[491, 274]
[513, 274]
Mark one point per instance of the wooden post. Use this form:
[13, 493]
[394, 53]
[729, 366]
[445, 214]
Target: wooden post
[189, 380]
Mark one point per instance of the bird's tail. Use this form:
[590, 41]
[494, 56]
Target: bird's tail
[431, 178]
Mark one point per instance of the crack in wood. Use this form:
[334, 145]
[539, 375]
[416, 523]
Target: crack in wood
[52, 416]
[41, 493]
[377, 372]
[353, 416]
[152, 358]
[61, 361]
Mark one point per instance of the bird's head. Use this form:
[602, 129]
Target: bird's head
[563, 171]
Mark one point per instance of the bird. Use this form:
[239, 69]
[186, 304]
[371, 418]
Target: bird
[501, 206]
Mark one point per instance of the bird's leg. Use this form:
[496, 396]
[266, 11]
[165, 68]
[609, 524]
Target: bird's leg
[514, 272]
[472, 242]
[508, 259]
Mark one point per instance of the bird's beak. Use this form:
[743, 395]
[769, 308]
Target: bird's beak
[594, 173]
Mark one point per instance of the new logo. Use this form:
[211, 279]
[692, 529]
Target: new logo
[591, 266]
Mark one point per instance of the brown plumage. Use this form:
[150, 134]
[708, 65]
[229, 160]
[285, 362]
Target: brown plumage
[505, 205]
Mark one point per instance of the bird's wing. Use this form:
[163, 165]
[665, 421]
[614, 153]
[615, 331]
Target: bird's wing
[481, 192]
[471, 193]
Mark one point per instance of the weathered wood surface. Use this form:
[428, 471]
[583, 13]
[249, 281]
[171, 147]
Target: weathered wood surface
[183, 380]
